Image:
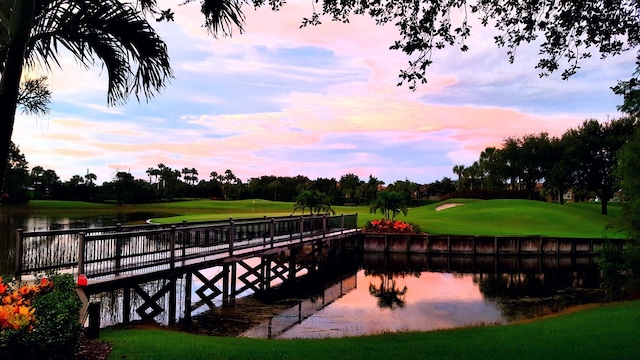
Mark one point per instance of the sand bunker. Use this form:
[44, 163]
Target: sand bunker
[447, 206]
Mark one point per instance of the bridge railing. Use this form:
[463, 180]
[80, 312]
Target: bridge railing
[40, 251]
[104, 251]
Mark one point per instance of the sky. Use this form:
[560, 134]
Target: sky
[318, 101]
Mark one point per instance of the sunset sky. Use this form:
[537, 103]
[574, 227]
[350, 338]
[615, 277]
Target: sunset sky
[320, 102]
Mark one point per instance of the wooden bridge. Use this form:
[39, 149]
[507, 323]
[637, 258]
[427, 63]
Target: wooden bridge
[125, 257]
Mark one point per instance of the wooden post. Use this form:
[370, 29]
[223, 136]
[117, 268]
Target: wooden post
[428, 245]
[292, 265]
[386, 243]
[126, 306]
[301, 228]
[172, 250]
[232, 290]
[186, 235]
[172, 300]
[18, 254]
[232, 235]
[266, 273]
[93, 331]
[540, 246]
[118, 248]
[474, 249]
[272, 230]
[187, 296]
[81, 253]
[289, 226]
[263, 227]
[341, 223]
[324, 225]
[225, 284]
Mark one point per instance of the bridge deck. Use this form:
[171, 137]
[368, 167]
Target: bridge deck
[119, 253]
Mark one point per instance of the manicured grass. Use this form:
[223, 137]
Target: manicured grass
[475, 217]
[601, 332]
[515, 217]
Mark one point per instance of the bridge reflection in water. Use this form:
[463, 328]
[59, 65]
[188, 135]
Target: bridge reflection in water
[400, 292]
[367, 293]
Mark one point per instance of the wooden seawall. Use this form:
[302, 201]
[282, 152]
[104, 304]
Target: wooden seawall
[480, 245]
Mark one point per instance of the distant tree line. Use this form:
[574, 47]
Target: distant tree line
[164, 183]
[583, 160]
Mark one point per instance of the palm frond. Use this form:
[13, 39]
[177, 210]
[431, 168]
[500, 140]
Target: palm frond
[221, 16]
[115, 33]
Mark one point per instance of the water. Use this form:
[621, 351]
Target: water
[403, 299]
[381, 304]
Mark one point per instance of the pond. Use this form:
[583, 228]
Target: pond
[405, 295]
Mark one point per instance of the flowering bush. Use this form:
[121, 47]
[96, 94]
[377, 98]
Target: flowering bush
[391, 226]
[39, 320]
[16, 311]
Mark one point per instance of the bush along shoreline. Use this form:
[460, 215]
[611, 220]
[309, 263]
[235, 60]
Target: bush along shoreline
[39, 320]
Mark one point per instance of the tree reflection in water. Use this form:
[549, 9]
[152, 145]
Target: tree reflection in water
[388, 293]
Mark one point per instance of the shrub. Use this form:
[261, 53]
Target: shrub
[391, 226]
[620, 266]
[45, 324]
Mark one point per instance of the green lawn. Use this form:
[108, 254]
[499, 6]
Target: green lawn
[602, 332]
[475, 217]
[517, 217]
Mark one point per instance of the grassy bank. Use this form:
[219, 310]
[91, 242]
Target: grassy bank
[518, 217]
[473, 217]
[601, 332]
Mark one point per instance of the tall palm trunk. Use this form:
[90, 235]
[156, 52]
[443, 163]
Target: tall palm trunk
[19, 29]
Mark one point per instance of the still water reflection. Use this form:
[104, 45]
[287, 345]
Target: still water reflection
[441, 297]
[389, 303]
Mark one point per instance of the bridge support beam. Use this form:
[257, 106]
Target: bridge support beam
[223, 281]
[188, 283]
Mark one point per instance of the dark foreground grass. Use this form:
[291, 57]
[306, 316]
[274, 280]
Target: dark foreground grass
[599, 332]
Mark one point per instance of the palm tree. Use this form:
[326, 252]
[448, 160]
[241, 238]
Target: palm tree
[459, 170]
[90, 178]
[114, 32]
[390, 204]
[315, 201]
[75, 181]
[153, 172]
[474, 173]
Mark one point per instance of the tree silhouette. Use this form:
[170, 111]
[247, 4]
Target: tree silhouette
[387, 293]
[114, 32]
[390, 204]
[313, 200]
